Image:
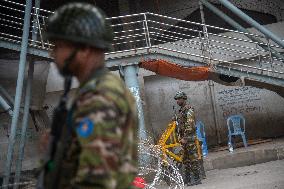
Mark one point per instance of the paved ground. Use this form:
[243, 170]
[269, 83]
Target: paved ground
[268, 175]
[254, 154]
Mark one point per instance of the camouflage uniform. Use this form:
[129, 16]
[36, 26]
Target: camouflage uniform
[101, 152]
[186, 130]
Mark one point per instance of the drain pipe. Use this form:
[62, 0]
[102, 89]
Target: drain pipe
[239, 28]
[19, 90]
[210, 83]
[252, 22]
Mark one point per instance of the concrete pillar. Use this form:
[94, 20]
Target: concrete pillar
[131, 81]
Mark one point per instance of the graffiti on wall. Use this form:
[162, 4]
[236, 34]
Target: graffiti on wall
[240, 100]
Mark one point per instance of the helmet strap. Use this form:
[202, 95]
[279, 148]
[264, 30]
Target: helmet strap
[65, 70]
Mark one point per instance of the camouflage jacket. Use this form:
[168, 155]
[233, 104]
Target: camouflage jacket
[186, 123]
[102, 128]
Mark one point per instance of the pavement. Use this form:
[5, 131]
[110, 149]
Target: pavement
[253, 154]
[269, 175]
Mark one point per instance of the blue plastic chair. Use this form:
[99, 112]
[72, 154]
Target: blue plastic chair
[236, 126]
[200, 132]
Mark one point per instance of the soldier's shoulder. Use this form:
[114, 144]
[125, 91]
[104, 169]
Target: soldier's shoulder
[111, 82]
[113, 88]
[188, 107]
[105, 82]
[107, 89]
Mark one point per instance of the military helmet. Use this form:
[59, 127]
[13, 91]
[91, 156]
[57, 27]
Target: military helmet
[180, 94]
[80, 23]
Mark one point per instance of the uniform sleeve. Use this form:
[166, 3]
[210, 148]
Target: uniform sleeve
[106, 160]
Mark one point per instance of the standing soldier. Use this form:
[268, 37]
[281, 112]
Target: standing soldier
[97, 147]
[186, 132]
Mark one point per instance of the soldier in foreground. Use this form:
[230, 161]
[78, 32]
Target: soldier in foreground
[186, 132]
[92, 143]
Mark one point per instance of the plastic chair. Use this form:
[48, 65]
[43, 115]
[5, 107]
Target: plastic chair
[200, 132]
[235, 122]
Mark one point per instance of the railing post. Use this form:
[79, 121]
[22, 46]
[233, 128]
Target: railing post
[38, 24]
[147, 31]
[18, 96]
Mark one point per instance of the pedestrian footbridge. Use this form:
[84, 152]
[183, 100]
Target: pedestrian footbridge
[147, 36]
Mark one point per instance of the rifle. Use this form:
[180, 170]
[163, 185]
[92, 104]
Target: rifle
[176, 120]
[58, 122]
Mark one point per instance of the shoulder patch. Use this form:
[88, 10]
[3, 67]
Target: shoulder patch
[85, 128]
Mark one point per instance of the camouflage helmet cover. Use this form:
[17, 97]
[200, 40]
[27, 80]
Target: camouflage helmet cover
[180, 94]
[80, 23]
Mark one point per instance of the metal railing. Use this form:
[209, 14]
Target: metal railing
[147, 31]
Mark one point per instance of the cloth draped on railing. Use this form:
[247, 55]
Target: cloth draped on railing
[165, 68]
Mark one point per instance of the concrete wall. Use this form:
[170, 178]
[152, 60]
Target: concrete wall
[262, 109]
[32, 153]
[37, 120]
[8, 79]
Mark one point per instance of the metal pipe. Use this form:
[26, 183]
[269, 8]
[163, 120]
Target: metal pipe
[218, 35]
[127, 23]
[216, 41]
[214, 109]
[27, 105]
[6, 106]
[206, 36]
[7, 96]
[216, 52]
[24, 123]
[131, 81]
[199, 24]
[238, 27]
[147, 31]
[19, 89]
[145, 34]
[252, 22]
[210, 83]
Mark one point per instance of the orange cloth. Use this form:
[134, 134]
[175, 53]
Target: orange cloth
[165, 68]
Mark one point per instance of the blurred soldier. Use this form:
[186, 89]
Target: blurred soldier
[97, 148]
[186, 132]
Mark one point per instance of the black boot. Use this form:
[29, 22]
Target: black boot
[194, 180]
[202, 171]
[197, 180]
[190, 180]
